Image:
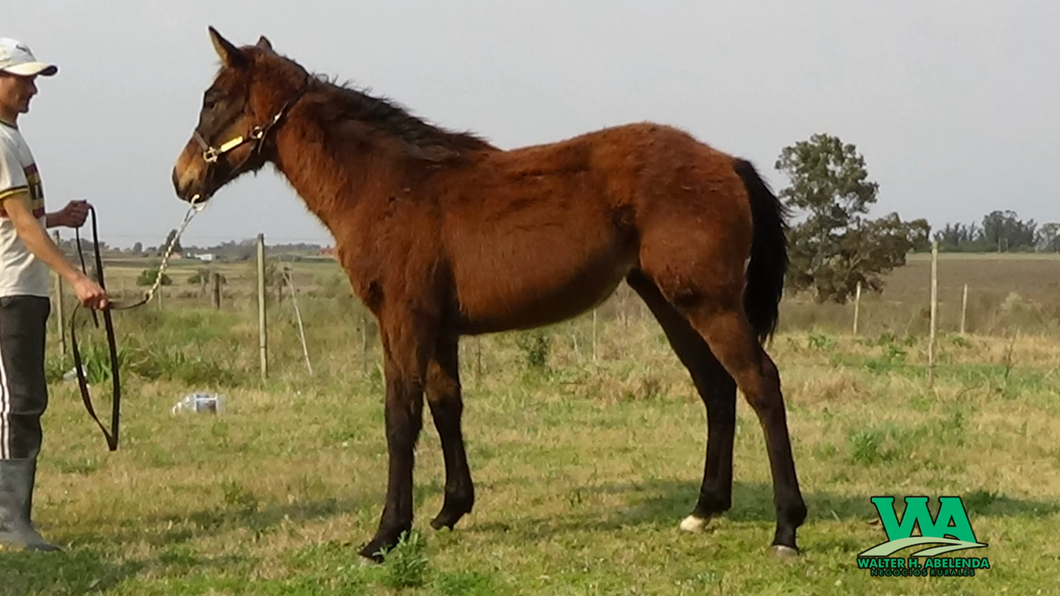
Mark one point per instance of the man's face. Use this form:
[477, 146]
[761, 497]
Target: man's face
[16, 92]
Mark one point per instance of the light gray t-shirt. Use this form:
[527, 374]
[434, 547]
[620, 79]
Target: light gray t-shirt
[21, 273]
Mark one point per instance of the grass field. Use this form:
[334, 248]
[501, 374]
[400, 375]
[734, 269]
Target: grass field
[583, 469]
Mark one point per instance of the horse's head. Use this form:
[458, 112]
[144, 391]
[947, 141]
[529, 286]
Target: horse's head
[247, 100]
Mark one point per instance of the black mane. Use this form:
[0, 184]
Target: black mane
[424, 140]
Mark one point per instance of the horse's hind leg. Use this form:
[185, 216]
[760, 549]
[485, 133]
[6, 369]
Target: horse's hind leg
[703, 279]
[720, 319]
[718, 391]
[446, 404]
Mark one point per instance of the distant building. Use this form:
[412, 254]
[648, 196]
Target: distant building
[206, 256]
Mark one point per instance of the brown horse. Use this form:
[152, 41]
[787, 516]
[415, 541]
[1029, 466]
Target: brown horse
[444, 235]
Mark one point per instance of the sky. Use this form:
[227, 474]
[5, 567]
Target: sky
[954, 104]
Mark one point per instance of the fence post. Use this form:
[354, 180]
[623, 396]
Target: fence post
[216, 279]
[364, 343]
[594, 336]
[262, 325]
[964, 307]
[857, 306]
[934, 312]
[60, 321]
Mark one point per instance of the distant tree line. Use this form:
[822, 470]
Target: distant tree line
[231, 250]
[1000, 231]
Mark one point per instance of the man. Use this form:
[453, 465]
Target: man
[26, 253]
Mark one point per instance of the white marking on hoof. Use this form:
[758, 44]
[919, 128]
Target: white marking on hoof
[783, 552]
[694, 524]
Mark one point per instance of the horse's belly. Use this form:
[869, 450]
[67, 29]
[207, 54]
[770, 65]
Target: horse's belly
[500, 292]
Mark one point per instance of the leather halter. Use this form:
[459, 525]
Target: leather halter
[257, 135]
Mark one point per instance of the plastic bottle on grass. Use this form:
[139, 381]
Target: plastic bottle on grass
[201, 403]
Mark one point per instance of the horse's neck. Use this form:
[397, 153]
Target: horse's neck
[331, 185]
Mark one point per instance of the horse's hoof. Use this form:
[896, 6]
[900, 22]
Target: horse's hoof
[446, 519]
[694, 524]
[783, 552]
[373, 552]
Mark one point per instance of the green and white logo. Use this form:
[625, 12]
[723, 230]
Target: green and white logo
[949, 528]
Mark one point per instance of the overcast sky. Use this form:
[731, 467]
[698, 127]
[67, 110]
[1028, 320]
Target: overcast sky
[954, 104]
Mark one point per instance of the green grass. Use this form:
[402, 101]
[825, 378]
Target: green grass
[583, 470]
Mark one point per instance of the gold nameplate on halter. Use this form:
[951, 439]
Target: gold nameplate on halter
[210, 155]
[230, 145]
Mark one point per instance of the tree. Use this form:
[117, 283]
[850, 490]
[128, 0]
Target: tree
[1048, 239]
[960, 238]
[138, 248]
[1004, 231]
[836, 246]
[169, 238]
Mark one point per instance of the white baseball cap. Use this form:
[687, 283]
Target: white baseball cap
[16, 58]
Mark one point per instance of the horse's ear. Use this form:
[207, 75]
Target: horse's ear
[230, 54]
[265, 44]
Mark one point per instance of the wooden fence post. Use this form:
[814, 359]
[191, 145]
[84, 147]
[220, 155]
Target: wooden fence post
[262, 324]
[478, 361]
[964, 308]
[364, 343]
[857, 306]
[216, 279]
[594, 336]
[934, 312]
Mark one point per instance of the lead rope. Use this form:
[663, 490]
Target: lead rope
[112, 435]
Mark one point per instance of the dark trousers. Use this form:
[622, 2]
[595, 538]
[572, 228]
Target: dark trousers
[23, 389]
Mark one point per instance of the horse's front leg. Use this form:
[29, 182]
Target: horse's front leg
[443, 397]
[407, 350]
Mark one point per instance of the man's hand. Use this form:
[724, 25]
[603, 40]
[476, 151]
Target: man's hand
[71, 216]
[90, 294]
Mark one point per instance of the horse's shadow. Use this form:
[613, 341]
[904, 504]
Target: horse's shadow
[94, 569]
[212, 521]
[665, 502]
[80, 571]
[88, 563]
[659, 503]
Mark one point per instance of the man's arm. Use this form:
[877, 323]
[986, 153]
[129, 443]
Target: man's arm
[40, 244]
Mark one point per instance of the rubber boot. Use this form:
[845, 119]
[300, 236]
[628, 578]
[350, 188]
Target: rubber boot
[16, 501]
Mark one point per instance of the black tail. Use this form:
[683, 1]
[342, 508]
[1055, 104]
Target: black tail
[769, 253]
